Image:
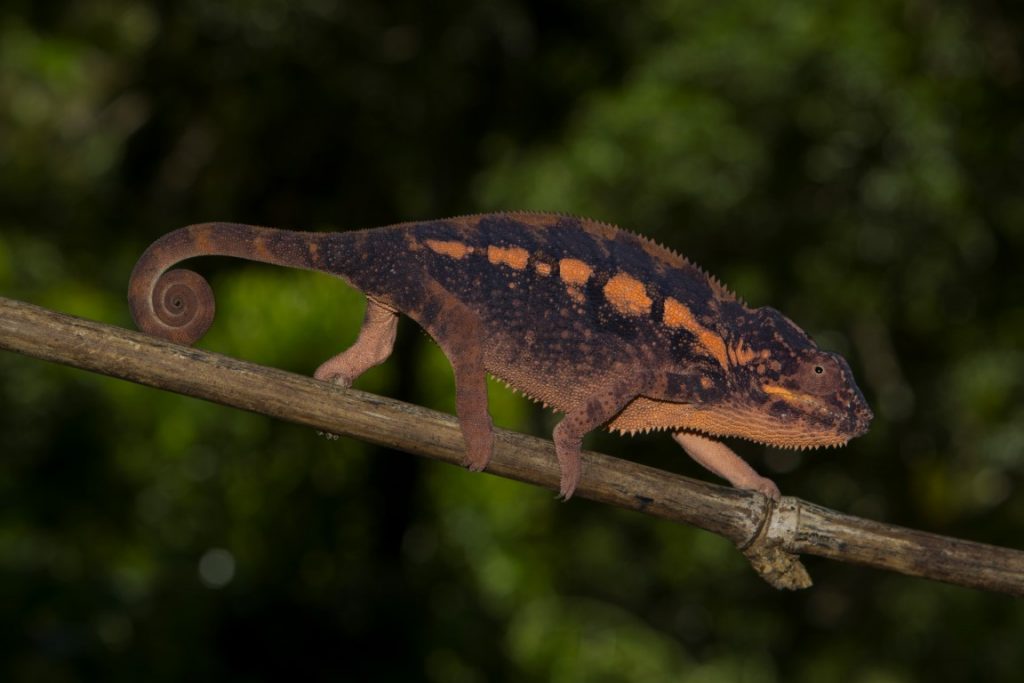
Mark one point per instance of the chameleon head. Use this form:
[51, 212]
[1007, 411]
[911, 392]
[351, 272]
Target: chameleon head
[765, 381]
[787, 391]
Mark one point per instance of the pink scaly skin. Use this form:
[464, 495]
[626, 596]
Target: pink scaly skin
[723, 461]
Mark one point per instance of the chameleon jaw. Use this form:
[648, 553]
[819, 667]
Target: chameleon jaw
[800, 433]
[789, 445]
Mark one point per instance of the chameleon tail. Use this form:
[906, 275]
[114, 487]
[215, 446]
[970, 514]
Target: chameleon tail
[178, 305]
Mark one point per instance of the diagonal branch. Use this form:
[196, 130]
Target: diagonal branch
[769, 535]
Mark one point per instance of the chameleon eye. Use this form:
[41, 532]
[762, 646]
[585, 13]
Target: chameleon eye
[818, 376]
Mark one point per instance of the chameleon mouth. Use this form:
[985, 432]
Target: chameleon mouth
[799, 422]
[786, 439]
[845, 416]
[800, 430]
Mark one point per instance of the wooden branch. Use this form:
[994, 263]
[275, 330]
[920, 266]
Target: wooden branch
[770, 535]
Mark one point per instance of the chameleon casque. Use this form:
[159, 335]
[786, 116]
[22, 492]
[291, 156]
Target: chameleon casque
[596, 322]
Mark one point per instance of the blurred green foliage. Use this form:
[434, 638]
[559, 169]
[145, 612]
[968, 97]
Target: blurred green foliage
[856, 165]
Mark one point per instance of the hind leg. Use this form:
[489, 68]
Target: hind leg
[372, 347]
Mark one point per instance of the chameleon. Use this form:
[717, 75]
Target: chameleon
[598, 323]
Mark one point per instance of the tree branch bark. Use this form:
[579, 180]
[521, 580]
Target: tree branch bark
[770, 535]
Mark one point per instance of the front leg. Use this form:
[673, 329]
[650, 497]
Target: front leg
[459, 333]
[568, 434]
[723, 461]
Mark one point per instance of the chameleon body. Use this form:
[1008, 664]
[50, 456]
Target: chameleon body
[596, 322]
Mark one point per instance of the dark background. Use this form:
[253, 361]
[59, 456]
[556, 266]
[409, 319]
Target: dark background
[855, 164]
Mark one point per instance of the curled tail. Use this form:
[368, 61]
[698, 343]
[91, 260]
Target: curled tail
[178, 305]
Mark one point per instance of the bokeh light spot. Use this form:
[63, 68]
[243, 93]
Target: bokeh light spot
[216, 568]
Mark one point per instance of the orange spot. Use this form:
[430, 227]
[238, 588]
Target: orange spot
[450, 248]
[573, 271]
[514, 257]
[678, 315]
[260, 247]
[706, 382]
[313, 250]
[627, 295]
[202, 239]
[544, 269]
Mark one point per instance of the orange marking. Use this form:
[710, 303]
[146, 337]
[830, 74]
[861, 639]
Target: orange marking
[678, 315]
[313, 250]
[260, 247]
[706, 382]
[627, 295]
[741, 354]
[778, 391]
[450, 248]
[573, 271]
[513, 257]
[203, 239]
[544, 269]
